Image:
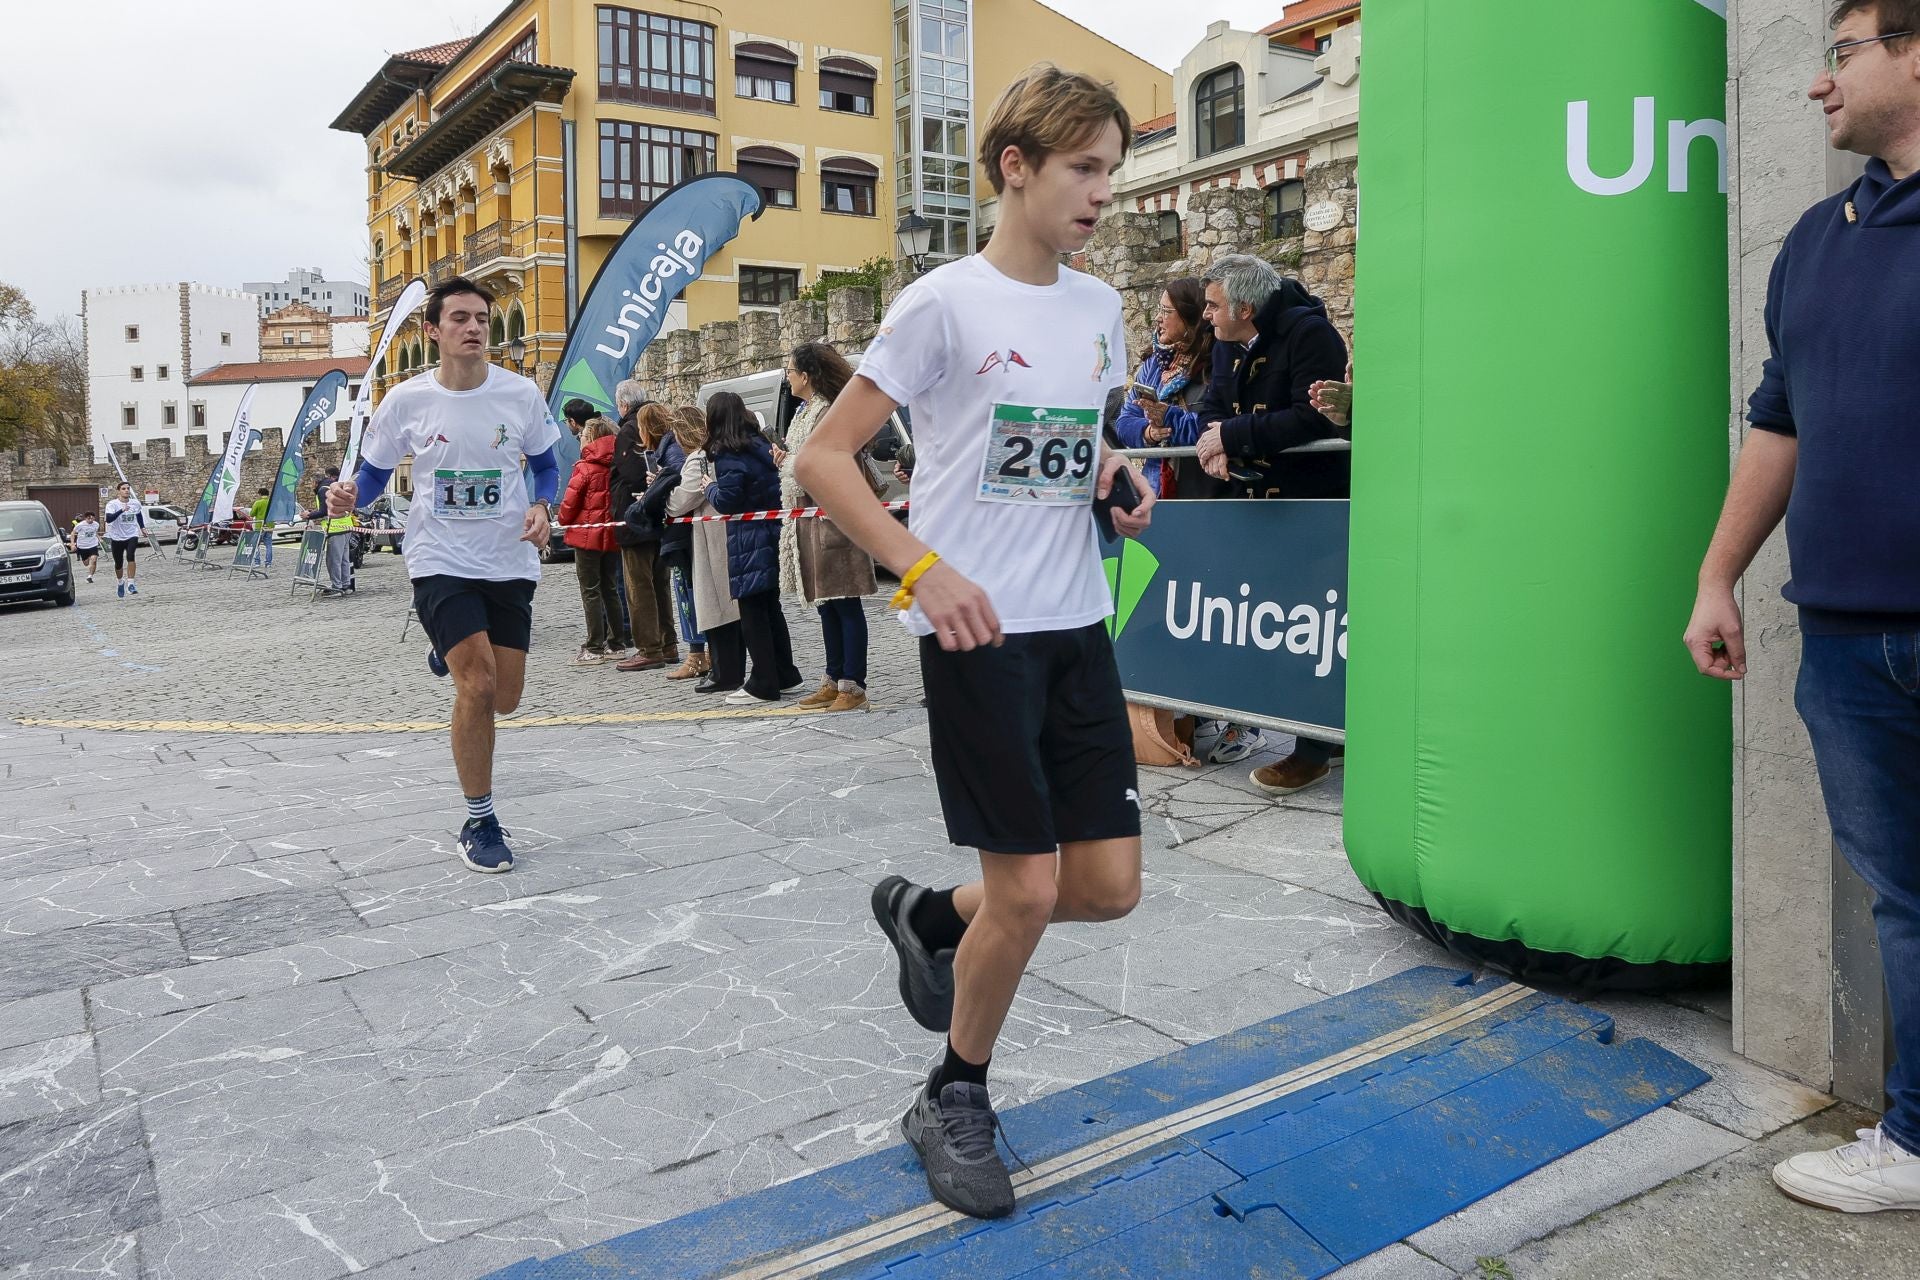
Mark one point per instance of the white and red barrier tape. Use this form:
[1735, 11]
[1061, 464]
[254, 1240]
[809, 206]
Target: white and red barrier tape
[791, 513]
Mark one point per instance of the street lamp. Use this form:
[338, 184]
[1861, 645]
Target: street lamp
[517, 352]
[915, 234]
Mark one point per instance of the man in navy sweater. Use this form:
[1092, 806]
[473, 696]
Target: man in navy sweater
[1836, 449]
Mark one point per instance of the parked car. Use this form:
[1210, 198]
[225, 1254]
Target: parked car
[383, 524]
[33, 558]
[163, 522]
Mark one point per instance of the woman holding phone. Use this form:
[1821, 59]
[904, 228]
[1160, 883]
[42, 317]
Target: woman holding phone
[1173, 371]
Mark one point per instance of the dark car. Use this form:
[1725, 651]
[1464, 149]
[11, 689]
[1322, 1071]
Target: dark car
[33, 559]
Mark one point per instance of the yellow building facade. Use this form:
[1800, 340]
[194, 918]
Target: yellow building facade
[519, 156]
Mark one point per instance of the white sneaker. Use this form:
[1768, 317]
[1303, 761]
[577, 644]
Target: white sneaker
[741, 698]
[1866, 1176]
[1236, 744]
[588, 658]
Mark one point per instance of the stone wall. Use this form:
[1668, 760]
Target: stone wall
[177, 476]
[1122, 253]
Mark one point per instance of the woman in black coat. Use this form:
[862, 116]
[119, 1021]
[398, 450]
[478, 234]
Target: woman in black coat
[746, 479]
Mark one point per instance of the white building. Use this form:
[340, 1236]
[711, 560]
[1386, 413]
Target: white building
[1255, 109]
[311, 286]
[143, 345]
[282, 387]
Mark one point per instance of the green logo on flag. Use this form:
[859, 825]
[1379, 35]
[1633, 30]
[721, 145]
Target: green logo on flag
[580, 381]
[1129, 574]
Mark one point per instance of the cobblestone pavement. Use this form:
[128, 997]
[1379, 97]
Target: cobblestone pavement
[255, 1020]
[206, 645]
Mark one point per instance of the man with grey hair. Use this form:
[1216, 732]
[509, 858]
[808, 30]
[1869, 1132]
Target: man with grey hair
[1272, 343]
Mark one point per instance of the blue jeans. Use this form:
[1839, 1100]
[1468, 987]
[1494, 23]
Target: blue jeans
[1860, 698]
[843, 625]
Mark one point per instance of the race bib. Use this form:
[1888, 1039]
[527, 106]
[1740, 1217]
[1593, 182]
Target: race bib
[466, 495]
[1042, 456]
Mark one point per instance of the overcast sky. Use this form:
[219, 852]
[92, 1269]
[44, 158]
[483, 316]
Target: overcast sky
[148, 142]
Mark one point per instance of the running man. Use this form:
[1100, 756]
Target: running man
[86, 542]
[473, 534]
[1005, 359]
[126, 521]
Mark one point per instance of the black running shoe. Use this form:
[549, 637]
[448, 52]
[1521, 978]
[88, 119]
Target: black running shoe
[926, 977]
[483, 846]
[954, 1137]
[436, 663]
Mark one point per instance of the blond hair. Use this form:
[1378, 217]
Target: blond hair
[690, 428]
[654, 421]
[594, 429]
[1048, 110]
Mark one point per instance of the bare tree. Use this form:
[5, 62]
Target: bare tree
[43, 378]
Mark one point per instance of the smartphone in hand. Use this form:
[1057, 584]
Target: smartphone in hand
[1141, 391]
[1124, 496]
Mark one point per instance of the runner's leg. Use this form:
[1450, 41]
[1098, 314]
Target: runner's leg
[509, 679]
[476, 694]
[1017, 899]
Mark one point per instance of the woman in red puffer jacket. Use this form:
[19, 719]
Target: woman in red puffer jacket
[596, 556]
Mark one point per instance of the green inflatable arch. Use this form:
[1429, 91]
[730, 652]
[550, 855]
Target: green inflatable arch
[1536, 776]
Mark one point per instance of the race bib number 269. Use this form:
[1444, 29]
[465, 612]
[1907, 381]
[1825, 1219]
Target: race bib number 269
[1039, 455]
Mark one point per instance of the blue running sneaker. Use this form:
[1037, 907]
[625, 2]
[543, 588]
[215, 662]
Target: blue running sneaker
[483, 846]
[133, 588]
[120, 589]
[436, 663]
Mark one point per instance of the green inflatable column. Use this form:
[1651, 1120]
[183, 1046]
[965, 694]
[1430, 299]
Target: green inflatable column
[1536, 775]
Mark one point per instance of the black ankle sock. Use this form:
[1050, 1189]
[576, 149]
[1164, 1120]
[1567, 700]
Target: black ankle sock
[934, 919]
[955, 1069]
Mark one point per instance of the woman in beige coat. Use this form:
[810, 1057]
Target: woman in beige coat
[716, 613]
[819, 563]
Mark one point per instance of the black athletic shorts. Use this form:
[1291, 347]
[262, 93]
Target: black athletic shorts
[1031, 744]
[123, 549]
[451, 609]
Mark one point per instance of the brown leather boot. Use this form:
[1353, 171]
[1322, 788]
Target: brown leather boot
[697, 664]
[820, 699]
[1289, 775]
[850, 697]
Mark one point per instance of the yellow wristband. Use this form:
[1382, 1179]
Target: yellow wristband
[903, 598]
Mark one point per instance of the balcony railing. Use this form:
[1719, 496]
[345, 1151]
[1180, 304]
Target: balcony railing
[442, 268]
[389, 293]
[495, 240]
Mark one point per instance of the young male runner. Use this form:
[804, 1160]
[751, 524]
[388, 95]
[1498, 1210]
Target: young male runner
[126, 521]
[473, 535]
[1006, 359]
[86, 542]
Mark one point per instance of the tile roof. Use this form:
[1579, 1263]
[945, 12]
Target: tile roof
[280, 371]
[1156, 124]
[1304, 11]
[442, 54]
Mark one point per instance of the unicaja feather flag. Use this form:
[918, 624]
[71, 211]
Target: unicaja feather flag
[658, 257]
[229, 464]
[404, 306]
[321, 405]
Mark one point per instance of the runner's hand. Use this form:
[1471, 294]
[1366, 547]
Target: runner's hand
[962, 616]
[340, 497]
[1715, 638]
[536, 528]
[1128, 524]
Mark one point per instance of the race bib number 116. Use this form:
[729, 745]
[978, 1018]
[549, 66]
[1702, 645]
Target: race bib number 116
[1038, 455]
[466, 495]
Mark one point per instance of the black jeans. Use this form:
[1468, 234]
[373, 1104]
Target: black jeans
[769, 645]
[843, 625]
[728, 653]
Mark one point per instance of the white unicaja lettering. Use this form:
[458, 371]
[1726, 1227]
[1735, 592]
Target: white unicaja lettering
[1580, 167]
[1268, 640]
[1174, 629]
[1681, 135]
[1304, 635]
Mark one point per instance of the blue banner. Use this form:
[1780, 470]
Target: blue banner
[323, 401]
[627, 302]
[1240, 605]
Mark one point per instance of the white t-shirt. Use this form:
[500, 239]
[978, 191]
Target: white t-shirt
[1006, 383]
[469, 492]
[86, 535]
[123, 519]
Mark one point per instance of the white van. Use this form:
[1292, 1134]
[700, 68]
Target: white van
[768, 399]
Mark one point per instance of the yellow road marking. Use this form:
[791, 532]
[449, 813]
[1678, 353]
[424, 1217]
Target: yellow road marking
[401, 726]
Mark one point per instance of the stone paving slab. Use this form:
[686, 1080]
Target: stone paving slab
[256, 1020]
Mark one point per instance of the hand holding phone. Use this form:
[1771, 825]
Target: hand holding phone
[1123, 496]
